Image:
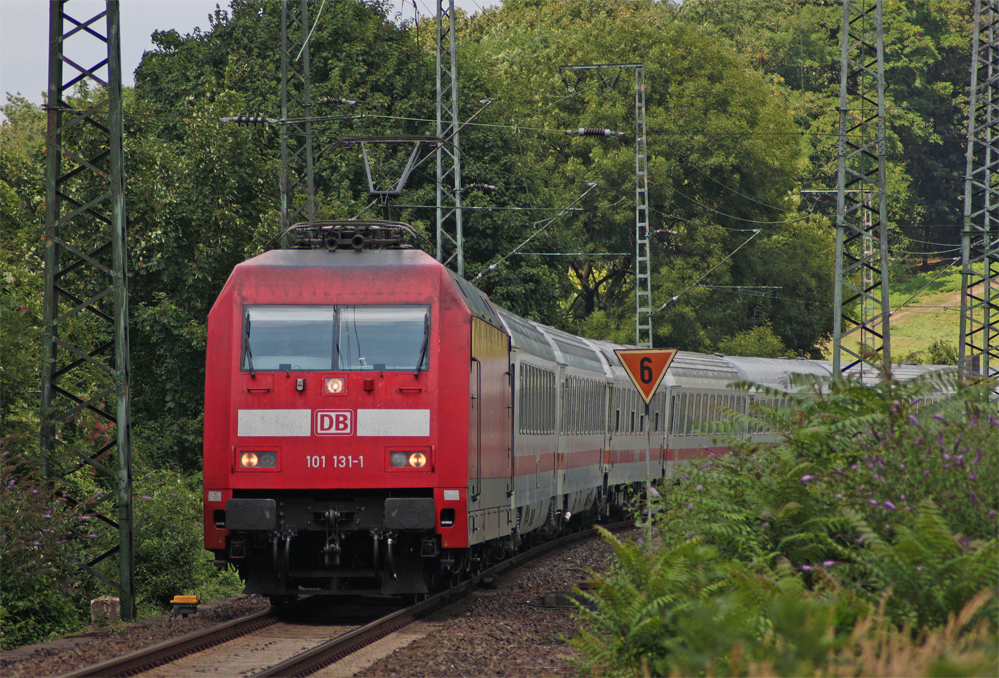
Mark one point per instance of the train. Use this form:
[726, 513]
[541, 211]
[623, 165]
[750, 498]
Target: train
[374, 424]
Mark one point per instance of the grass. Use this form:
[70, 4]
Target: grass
[926, 308]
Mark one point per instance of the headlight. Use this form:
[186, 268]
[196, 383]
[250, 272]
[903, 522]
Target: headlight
[258, 460]
[408, 459]
[333, 385]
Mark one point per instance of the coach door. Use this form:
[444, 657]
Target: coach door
[491, 413]
[475, 431]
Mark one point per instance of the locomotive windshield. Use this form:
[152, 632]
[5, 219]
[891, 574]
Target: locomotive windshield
[335, 338]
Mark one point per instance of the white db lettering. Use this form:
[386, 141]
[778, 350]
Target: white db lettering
[334, 422]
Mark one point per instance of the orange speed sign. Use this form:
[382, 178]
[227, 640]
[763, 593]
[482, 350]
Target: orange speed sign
[646, 367]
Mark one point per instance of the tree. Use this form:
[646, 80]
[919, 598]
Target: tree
[723, 156]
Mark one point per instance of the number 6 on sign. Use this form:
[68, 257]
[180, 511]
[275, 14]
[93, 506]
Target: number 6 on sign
[646, 367]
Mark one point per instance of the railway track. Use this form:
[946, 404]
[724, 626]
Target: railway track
[263, 644]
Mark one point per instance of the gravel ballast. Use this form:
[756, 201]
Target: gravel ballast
[501, 631]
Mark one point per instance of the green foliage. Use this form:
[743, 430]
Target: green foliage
[879, 502]
[39, 537]
[759, 341]
[169, 556]
[941, 352]
[22, 194]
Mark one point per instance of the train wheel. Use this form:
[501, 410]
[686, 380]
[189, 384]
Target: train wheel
[283, 602]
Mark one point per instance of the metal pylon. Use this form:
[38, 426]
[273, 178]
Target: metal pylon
[643, 274]
[298, 193]
[643, 277]
[450, 235]
[978, 351]
[85, 374]
[861, 276]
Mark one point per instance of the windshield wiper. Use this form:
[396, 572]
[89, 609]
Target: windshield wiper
[425, 346]
[247, 353]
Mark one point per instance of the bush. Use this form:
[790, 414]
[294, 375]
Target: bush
[167, 544]
[871, 524]
[39, 534]
[45, 537]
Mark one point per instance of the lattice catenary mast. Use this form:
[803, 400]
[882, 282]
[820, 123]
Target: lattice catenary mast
[85, 372]
[643, 277]
[861, 275]
[297, 177]
[450, 233]
[978, 351]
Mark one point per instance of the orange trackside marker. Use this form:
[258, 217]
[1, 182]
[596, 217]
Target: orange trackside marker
[646, 367]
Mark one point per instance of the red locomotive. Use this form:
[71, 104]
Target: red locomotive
[374, 423]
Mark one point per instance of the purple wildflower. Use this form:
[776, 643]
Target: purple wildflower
[84, 518]
[34, 491]
[690, 507]
[945, 456]
[919, 441]
[11, 483]
[972, 476]
[149, 475]
[978, 457]
[655, 494]
[938, 416]
[973, 497]
[838, 496]
[992, 513]
[146, 498]
[853, 467]
[915, 422]
[37, 543]
[926, 473]
[807, 479]
[700, 488]
[92, 535]
[902, 466]
[888, 505]
[807, 568]
[872, 502]
[828, 563]
[653, 491]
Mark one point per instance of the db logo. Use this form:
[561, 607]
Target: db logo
[334, 422]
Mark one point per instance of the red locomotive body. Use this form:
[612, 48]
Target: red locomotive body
[337, 413]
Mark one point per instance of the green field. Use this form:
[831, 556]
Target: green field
[926, 308]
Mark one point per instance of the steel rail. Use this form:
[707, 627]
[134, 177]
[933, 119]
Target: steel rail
[175, 648]
[336, 649]
[323, 655]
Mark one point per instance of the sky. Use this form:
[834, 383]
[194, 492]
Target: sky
[24, 34]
